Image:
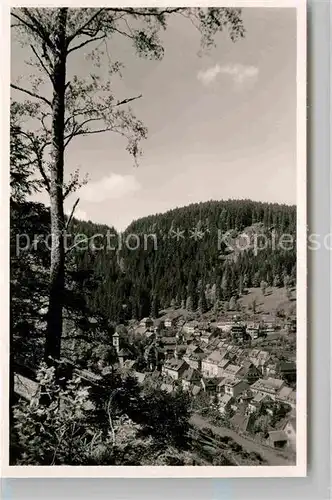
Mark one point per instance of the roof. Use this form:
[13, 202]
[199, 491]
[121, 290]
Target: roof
[129, 363]
[195, 390]
[191, 373]
[116, 334]
[232, 382]
[259, 398]
[166, 387]
[232, 369]
[285, 392]
[168, 340]
[292, 422]
[123, 352]
[270, 384]
[197, 356]
[174, 364]
[223, 362]
[215, 357]
[141, 329]
[226, 398]
[144, 320]
[277, 436]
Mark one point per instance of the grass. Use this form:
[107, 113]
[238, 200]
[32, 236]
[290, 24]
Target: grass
[274, 299]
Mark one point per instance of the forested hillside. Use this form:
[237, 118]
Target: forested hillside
[190, 256]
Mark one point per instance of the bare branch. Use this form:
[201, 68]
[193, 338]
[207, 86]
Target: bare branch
[39, 28]
[72, 212]
[146, 12]
[125, 101]
[41, 62]
[32, 94]
[43, 173]
[39, 159]
[86, 43]
[85, 25]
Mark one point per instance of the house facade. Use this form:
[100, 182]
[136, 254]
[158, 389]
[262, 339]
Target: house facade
[269, 387]
[234, 387]
[174, 368]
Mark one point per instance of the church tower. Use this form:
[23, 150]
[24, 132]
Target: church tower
[116, 342]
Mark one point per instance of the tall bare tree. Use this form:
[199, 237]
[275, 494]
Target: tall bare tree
[65, 108]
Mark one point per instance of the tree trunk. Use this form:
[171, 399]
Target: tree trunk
[57, 272]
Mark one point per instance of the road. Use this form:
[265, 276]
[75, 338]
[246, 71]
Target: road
[270, 456]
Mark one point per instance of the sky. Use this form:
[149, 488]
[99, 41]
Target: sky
[221, 125]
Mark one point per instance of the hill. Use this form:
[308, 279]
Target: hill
[192, 257]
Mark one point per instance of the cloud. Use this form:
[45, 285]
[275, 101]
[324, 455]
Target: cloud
[114, 186]
[241, 74]
[208, 76]
[79, 214]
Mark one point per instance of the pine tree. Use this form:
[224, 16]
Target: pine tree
[154, 307]
[202, 304]
[189, 304]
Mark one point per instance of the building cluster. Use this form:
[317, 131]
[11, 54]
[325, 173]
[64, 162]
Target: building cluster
[242, 381]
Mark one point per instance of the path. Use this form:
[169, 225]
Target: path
[269, 455]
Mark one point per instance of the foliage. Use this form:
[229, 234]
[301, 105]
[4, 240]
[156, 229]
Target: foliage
[54, 433]
[100, 425]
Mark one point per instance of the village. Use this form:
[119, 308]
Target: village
[239, 374]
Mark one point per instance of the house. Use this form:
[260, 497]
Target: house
[249, 372]
[169, 322]
[269, 387]
[180, 351]
[141, 330]
[270, 369]
[123, 356]
[210, 364]
[290, 431]
[195, 389]
[210, 385]
[246, 397]
[257, 402]
[238, 329]
[259, 358]
[146, 322]
[277, 439]
[129, 364]
[195, 359]
[225, 403]
[168, 346]
[190, 326]
[225, 325]
[221, 387]
[158, 325]
[167, 387]
[206, 336]
[234, 387]
[190, 377]
[287, 395]
[231, 371]
[254, 330]
[174, 368]
[223, 364]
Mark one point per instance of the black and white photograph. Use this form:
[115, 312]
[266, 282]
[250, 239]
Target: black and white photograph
[157, 191]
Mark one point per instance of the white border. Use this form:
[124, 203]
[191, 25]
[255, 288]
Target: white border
[298, 470]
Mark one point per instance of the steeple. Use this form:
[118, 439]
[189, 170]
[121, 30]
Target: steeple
[116, 342]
